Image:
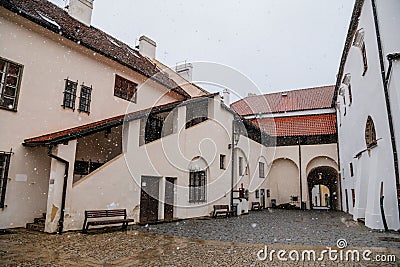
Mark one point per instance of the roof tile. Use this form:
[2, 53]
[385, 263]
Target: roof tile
[298, 125]
[295, 100]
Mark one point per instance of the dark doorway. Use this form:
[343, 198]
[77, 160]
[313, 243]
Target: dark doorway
[324, 177]
[169, 199]
[262, 198]
[149, 199]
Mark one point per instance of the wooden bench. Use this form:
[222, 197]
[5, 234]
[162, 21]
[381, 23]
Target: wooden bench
[255, 206]
[95, 214]
[222, 210]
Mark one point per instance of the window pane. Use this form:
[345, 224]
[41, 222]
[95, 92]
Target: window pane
[2, 65]
[10, 91]
[11, 80]
[13, 69]
[8, 102]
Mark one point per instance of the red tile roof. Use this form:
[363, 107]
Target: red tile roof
[294, 100]
[82, 130]
[298, 125]
[90, 37]
[79, 131]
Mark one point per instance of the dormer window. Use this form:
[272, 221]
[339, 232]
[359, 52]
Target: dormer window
[359, 42]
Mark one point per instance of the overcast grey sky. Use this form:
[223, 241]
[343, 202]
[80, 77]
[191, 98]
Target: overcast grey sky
[278, 44]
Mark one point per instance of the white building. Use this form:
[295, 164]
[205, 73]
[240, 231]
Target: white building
[303, 124]
[92, 123]
[367, 96]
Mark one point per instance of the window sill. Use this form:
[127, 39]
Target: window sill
[9, 109]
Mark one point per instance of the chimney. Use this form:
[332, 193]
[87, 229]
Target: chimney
[227, 97]
[147, 47]
[185, 70]
[81, 10]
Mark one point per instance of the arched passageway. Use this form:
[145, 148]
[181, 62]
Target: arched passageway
[323, 188]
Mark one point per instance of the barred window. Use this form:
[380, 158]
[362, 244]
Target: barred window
[70, 94]
[4, 165]
[85, 98]
[125, 89]
[10, 76]
[197, 186]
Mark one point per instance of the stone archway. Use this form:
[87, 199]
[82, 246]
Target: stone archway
[328, 177]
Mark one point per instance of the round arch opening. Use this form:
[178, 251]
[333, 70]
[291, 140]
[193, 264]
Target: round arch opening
[323, 188]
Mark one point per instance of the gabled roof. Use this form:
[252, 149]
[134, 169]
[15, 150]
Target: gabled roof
[298, 125]
[294, 100]
[57, 20]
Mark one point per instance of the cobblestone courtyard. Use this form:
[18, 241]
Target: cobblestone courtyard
[195, 242]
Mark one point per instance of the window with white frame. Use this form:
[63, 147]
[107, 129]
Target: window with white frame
[10, 79]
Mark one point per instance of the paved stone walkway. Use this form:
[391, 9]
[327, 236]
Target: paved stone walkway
[114, 247]
[292, 227]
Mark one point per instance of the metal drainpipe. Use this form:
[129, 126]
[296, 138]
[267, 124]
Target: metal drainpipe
[387, 98]
[64, 192]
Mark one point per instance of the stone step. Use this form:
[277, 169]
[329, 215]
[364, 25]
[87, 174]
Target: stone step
[35, 227]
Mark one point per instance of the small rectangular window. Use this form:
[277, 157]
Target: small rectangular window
[10, 76]
[268, 193]
[351, 169]
[125, 89]
[240, 166]
[257, 193]
[222, 159]
[85, 99]
[4, 165]
[70, 94]
[261, 170]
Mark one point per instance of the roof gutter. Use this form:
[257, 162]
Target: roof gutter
[387, 99]
[64, 191]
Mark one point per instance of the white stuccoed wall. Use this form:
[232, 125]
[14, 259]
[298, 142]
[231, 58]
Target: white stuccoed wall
[368, 100]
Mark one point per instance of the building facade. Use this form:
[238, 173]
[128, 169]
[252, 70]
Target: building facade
[93, 123]
[304, 171]
[367, 99]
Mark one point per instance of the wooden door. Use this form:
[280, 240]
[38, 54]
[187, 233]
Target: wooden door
[169, 199]
[149, 199]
